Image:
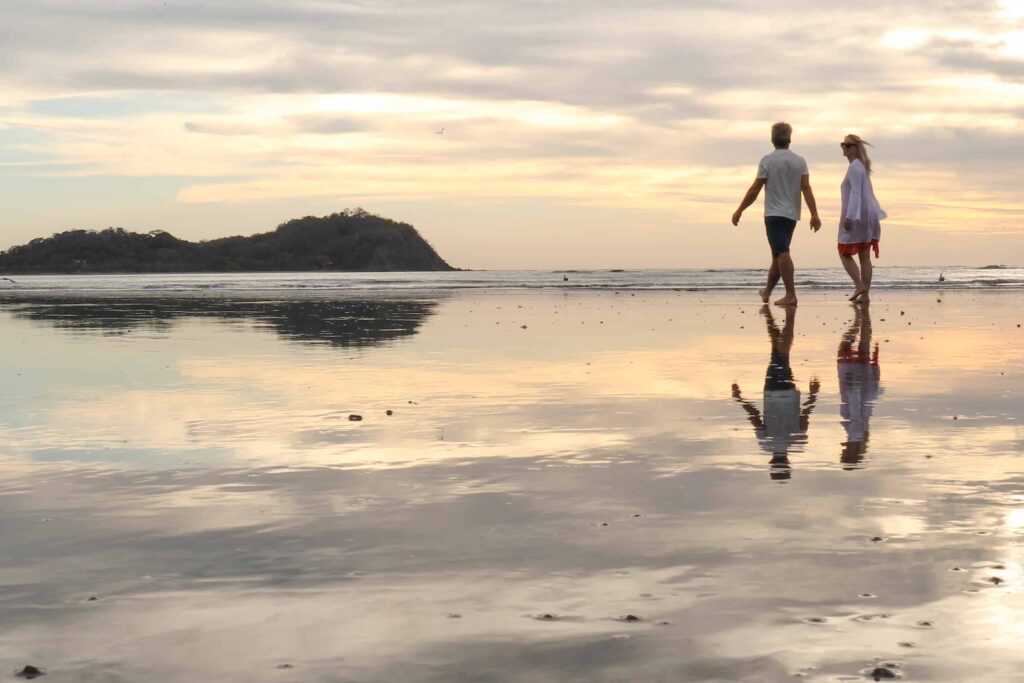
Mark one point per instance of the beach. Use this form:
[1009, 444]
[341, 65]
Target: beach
[472, 484]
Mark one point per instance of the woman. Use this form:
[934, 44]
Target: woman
[859, 386]
[860, 226]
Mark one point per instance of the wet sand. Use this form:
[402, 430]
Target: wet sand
[553, 463]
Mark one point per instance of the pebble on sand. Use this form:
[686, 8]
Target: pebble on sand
[630, 619]
[880, 673]
[355, 418]
[389, 412]
[30, 672]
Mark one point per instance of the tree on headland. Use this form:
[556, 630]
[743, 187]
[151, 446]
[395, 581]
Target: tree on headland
[351, 240]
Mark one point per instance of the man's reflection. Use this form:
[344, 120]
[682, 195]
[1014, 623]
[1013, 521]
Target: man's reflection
[782, 425]
[859, 386]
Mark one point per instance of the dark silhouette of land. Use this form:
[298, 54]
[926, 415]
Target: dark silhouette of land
[352, 240]
[346, 323]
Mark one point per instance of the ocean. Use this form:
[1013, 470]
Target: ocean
[886, 278]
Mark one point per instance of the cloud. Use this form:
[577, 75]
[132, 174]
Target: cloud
[330, 124]
[221, 128]
[998, 149]
[975, 56]
[648, 105]
[574, 51]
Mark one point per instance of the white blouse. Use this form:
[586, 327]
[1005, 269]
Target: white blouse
[860, 206]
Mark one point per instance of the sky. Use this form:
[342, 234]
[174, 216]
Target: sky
[515, 133]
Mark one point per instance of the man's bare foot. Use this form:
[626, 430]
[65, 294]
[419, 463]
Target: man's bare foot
[863, 299]
[786, 301]
[764, 294]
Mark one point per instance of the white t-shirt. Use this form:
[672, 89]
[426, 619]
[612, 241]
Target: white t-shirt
[783, 172]
[781, 420]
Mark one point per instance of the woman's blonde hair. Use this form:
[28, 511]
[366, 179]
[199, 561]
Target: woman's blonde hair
[862, 152]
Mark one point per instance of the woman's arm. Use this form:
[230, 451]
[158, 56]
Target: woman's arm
[856, 176]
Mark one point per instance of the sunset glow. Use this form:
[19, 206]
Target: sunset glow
[499, 130]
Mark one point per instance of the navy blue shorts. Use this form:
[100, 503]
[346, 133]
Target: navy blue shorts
[780, 232]
[778, 375]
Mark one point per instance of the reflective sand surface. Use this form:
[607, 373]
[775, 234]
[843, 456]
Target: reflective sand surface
[553, 463]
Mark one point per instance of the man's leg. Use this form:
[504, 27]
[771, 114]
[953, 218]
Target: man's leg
[779, 232]
[786, 338]
[773, 279]
[785, 265]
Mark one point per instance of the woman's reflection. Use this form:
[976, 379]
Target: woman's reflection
[859, 386]
[782, 425]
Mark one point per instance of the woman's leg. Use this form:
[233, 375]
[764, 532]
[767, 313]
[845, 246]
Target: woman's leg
[866, 269]
[854, 272]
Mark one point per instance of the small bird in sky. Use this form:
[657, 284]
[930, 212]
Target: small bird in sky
[439, 132]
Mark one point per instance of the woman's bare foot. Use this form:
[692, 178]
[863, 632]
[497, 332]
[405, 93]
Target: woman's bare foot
[863, 299]
[764, 294]
[857, 294]
[786, 301]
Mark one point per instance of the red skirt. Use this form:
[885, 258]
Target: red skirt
[849, 355]
[856, 248]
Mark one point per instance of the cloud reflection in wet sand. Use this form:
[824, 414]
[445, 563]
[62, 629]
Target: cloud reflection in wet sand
[529, 482]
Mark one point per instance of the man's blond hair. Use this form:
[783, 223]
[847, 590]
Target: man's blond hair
[782, 134]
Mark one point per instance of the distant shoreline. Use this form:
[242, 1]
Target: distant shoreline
[334, 283]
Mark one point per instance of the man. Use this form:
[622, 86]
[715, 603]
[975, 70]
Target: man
[782, 426]
[786, 176]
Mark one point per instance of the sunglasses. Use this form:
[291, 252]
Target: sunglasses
[847, 145]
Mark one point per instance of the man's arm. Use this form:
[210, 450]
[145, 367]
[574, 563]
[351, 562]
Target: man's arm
[805, 187]
[748, 199]
[753, 414]
[808, 408]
